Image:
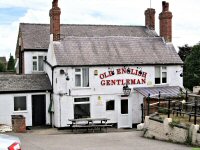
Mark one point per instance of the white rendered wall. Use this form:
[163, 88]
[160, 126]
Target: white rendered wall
[28, 61]
[7, 108]
[65, 92]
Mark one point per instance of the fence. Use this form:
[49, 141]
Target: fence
[171, 105]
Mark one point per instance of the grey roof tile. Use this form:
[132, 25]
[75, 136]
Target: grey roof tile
[29, 82]
[114, 50]
[36, 36]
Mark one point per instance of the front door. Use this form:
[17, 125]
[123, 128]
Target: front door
[124, 113]
[38, 110]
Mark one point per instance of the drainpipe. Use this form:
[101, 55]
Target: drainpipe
[51, 94]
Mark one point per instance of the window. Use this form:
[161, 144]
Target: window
[82, 77]
[124, 106]
[81, 108]
[34, 63]
[160, 74]
[20, 103]
[110, 105]
[38, 64]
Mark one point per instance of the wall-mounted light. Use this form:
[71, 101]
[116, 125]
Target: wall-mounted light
[128, 70]
[66, 74]
[111, 70]
[62, 71]
[126, 90]
[95, 72]
[67, 77]
[140, 70]
[181, 74]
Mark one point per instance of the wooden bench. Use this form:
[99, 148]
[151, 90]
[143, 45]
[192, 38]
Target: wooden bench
[89, 123]
[93, 127]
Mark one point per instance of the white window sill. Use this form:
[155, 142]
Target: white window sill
[81, 88]
[21, 111]
[161, 84]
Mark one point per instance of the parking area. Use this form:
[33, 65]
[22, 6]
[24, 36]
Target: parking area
[53, 139]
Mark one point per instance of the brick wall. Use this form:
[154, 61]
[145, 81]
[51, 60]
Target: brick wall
[54, 14]
[150, 18]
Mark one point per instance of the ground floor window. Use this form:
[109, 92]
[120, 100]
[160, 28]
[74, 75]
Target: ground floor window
[81, 107]
[110, 105]
[20, 103]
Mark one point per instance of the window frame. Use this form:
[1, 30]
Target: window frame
[82, 103]
[80, 73]
[109, 107]
[37, 63]
[25, 104]
[162, 69]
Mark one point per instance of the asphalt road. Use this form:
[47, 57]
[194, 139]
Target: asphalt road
[52, 139]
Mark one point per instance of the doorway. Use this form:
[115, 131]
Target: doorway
[38, 110]
[124, 113]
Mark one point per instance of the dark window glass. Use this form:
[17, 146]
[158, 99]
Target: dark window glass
[41, 63]
[124, 106]
[81, 111]
[110, 105]
[77, 80]
[164, 77]
[157, 80]
[81, 99]
[85, 73]
[20, 103]
[164, 80]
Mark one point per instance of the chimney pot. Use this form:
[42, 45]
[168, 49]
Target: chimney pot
[55, 3]
[165, 6]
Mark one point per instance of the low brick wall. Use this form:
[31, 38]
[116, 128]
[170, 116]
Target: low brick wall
[156, 129]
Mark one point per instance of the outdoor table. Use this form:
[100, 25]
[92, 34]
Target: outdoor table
[89, 123]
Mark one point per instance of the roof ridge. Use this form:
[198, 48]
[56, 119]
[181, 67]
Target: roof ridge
[101, 37]
[24, 23]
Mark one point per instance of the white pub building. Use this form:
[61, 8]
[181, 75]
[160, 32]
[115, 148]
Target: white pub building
[100, 71]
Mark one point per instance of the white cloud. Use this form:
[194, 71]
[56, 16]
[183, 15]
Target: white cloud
[186, 16]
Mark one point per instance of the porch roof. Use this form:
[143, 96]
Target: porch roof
[11, 83]
[165, 91]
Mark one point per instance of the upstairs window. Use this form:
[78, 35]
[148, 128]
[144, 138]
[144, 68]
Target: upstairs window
[38, 64]
[160, 74]
[82, 77]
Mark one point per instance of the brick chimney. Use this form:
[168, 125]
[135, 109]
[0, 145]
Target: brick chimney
[166, 22]
[150, 18]
[54, 14]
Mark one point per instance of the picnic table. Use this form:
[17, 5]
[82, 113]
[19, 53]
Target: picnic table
[89, 123]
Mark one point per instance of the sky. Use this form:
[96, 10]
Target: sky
[185, 23]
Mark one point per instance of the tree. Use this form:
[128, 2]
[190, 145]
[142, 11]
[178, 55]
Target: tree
[11, 64]
[192, 68]
[184, 51]
[2, 67]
